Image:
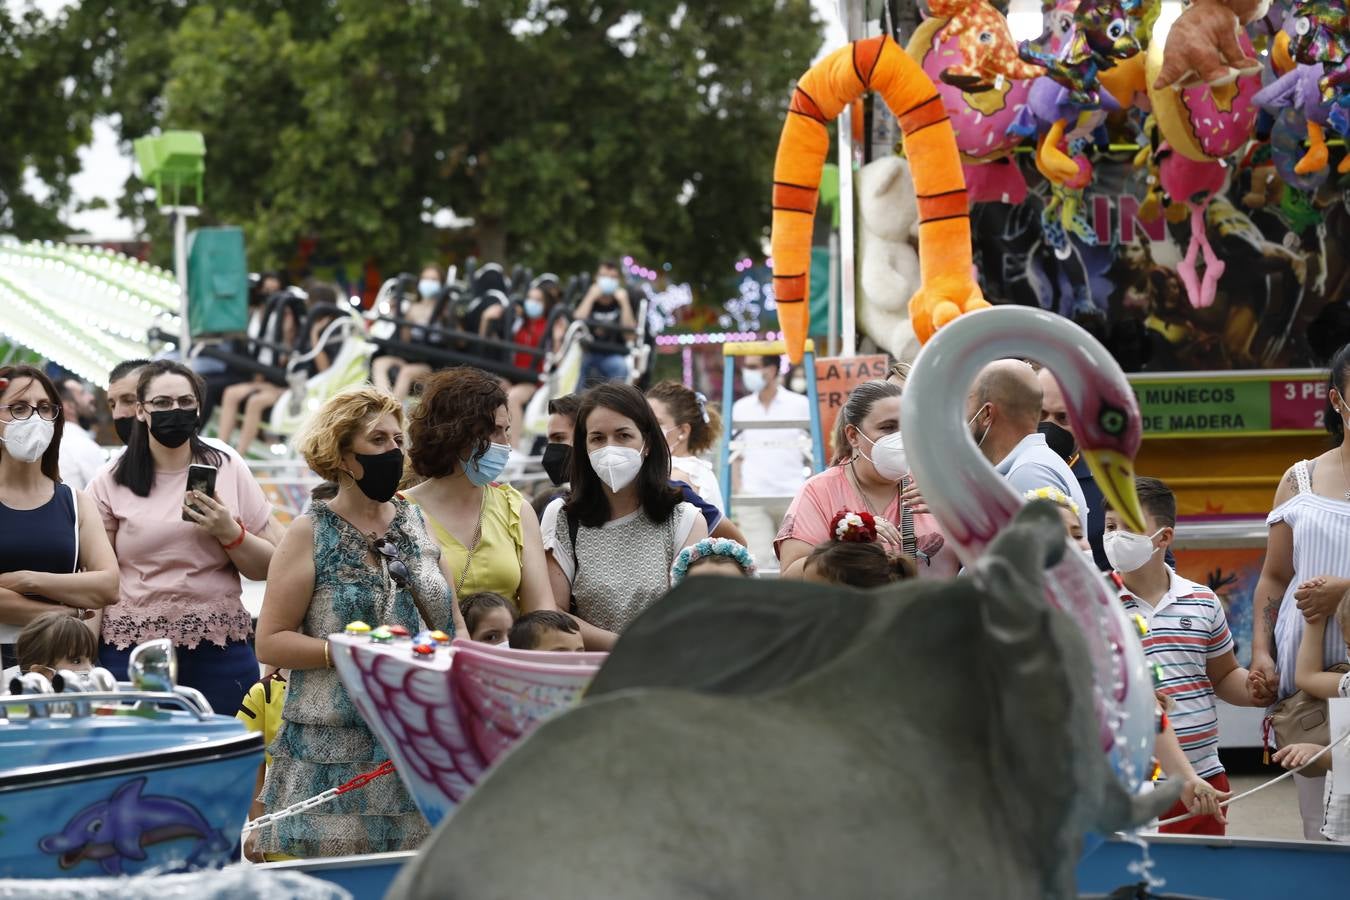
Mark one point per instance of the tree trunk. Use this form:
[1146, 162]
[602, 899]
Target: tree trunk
[492, 242]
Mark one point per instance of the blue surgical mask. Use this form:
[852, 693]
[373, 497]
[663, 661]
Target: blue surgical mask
[534, 308]
[485, 468]
[428, 288]
[608, 284]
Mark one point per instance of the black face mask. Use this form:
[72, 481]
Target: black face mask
[123, 428]
[557, 463]
[1059, 440]
[173, 427]
[383, 472]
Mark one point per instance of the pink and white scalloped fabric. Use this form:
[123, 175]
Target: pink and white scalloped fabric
[446, 719]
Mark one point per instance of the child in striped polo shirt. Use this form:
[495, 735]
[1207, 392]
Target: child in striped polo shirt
[1187, 641]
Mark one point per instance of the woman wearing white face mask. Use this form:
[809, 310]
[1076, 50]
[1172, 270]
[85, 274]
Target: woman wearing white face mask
[691, 428]
[429, 286]
[461, 441]
[870, 472]
[55, 554]
[613, 541]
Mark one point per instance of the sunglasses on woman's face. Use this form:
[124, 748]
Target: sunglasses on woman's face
[398, 569]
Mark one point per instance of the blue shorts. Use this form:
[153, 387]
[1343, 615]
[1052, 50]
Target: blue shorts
[222, 674]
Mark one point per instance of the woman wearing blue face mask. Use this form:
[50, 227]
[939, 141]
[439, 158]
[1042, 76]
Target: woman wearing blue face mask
[382, 370]
[489, 535]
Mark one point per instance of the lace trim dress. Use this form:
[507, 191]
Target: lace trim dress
[323, 741]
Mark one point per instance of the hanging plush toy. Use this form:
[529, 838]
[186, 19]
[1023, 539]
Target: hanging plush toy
[1194, 184]
[967, 50]
[1203, 47]
[1205, 123]
[1301, 90]
[948, 287]
[1070, 99]
[1321, 38]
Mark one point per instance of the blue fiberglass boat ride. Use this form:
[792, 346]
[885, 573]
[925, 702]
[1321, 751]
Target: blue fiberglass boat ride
[102, 778]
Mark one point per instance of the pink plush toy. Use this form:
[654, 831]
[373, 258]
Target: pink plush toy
[1194, 184]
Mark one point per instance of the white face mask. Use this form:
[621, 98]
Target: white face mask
[616, 466]
[753, 379]
[987, 426]
[1127, 551]
[888, 455]
[27, 439]
[504, 642]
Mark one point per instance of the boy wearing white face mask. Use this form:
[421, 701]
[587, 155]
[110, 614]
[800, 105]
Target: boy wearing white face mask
[1188, 643]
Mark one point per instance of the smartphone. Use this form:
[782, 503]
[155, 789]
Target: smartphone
[200, 478]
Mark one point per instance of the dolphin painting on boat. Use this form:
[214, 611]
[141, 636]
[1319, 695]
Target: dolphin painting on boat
[122, 826]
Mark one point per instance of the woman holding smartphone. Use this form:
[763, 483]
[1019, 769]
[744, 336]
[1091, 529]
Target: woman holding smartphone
[181, 552]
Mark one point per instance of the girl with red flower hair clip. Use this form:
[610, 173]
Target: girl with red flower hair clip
[854, 556]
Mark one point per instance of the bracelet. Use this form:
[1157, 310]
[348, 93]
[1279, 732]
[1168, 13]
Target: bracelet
[327, 660]
[243, 533]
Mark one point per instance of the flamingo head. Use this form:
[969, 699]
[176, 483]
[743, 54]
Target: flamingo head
[1104, 416]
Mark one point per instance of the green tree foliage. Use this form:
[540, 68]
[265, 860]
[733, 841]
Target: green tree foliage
[44, 120]
[565, 128]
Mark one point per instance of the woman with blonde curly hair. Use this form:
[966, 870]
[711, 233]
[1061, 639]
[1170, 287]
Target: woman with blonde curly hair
[363, 555]
[461, 442]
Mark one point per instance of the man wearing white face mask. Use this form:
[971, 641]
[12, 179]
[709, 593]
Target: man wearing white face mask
[1003, 410]
[1188, 643]
[606, 303]
[773, 461]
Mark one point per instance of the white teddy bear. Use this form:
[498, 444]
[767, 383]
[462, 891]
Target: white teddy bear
[889, 264]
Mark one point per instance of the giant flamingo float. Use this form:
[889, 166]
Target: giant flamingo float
[973, 503]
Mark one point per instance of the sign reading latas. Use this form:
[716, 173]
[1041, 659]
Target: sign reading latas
[1229, 406]
[836, 378]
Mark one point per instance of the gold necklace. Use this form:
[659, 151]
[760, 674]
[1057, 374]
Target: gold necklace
[862, 495]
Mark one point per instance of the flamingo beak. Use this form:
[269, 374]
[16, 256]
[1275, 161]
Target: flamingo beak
[1114, 473]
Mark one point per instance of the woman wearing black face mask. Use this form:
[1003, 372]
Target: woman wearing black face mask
[365, 554]
[180, 554]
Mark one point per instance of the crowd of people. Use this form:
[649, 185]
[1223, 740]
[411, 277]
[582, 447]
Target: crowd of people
[414, 526]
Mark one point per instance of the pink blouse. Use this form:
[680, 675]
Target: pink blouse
[176, 580]
[831, 492]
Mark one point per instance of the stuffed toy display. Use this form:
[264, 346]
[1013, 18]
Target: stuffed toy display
[1301, 90]
[1205, 123]
[1203, 45]
[970, 55]
[947, 287]
[1070, 99]
[887, 261]
[1194, 184]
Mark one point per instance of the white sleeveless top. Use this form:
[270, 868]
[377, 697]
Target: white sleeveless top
[1321, 529]
[702, 478]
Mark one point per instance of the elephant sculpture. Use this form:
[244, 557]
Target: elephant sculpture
[787, 740]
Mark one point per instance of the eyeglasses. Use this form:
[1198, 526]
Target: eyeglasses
[164, 404]
[398, 569]
[21, 411]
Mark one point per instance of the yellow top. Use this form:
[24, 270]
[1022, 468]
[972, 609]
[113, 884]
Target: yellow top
[496, 563]
[260, 710]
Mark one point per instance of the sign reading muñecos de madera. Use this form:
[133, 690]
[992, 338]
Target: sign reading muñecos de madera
[1237, 405]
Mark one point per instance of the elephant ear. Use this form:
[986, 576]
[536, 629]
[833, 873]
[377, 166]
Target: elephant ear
[735, 636]
[1035, 536]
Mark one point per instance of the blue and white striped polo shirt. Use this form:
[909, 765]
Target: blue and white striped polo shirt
[1185, 630]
